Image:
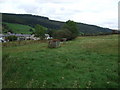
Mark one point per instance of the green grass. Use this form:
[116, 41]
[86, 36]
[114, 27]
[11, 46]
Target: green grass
[86, 62]
[19, 28]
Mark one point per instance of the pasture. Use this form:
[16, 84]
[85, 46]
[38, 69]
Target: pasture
[86, 62]
[19, 28]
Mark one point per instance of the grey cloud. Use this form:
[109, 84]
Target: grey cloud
[78, 10]
[30, 8]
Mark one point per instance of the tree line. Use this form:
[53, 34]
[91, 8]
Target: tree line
[69, 31]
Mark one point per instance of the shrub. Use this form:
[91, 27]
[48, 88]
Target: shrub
[11, 38]
[62, 34]
[51, 32]
[72, 27]
[40, 31]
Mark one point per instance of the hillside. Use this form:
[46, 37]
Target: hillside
[31, 20]
[17, 28]
[86, 62]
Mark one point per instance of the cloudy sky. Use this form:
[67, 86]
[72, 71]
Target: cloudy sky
[103, 13]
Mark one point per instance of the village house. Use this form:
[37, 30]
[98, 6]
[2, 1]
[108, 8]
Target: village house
[32, 37]
[47, 36]
[19, 36]
[22, 37]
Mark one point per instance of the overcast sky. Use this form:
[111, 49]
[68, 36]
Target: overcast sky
[103, 13]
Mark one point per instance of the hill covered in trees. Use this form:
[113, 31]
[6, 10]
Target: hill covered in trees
[32, 20]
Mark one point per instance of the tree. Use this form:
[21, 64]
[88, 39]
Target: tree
[72, 27]
[59, 34]
[69, 31]
[31, 30]
[51, 32]
[40, 31]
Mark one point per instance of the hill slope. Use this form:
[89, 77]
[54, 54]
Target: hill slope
[18, 28]
[32, 20]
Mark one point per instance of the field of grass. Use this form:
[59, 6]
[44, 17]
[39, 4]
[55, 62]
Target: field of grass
[19, 28]
[86, 62]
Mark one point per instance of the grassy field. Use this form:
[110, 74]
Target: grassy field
[86, 62]
[19, 28]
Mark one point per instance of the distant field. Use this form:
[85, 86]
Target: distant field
[19, 28]
[87, 62]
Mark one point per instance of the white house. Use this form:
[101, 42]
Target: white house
[32, 37]
[47, 36]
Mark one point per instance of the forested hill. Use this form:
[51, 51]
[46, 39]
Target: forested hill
[31, 20]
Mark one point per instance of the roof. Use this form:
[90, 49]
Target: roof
[18, 35]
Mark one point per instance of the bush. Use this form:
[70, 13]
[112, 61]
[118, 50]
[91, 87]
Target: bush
[11, 38]
[72, 27]
[69, 31]
[51, 32]
[62, 34]
[40, 31]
